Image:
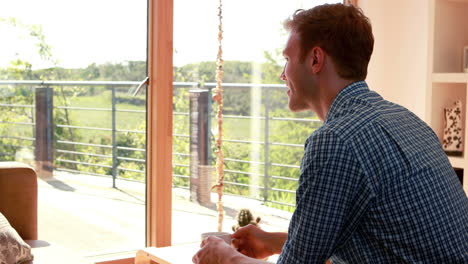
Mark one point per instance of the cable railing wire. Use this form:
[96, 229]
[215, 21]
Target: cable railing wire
[120, 158]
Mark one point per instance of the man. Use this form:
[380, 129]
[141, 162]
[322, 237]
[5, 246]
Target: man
[375, 184]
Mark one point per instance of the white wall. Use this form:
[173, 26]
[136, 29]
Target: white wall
[399, 65]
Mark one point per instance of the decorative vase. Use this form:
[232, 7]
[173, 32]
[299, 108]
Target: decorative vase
[452, 141]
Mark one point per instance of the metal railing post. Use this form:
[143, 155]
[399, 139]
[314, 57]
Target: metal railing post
[266, 147]
[200, 169]
[44, 132]
[209, 110]
[114, 139]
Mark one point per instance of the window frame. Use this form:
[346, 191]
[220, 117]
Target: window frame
[159, 123]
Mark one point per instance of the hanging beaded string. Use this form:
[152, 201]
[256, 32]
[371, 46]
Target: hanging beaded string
[218, 98]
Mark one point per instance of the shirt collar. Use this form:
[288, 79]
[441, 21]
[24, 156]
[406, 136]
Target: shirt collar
[343, 96]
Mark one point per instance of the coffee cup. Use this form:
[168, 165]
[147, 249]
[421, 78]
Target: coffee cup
[223, 235]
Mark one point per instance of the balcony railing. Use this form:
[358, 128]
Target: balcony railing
[119, 152]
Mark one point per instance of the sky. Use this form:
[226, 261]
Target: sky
[99, 31]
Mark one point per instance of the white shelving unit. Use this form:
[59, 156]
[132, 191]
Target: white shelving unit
[448, 34]
[450, 77]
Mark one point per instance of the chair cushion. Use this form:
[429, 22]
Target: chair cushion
[13, 249]
[18, 198]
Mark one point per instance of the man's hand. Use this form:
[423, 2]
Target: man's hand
[215, 251]
[256, 243]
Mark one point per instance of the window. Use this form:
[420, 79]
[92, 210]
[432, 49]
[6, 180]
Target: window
[69, 72]
[262, 140]
[89, 63]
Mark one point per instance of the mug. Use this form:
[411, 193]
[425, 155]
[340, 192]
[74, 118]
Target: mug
[223, 235]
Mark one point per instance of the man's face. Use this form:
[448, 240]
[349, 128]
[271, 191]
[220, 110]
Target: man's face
[296, 75]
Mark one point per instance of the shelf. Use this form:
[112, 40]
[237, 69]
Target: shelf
[447, 81]
[457, 162]
[458, 77]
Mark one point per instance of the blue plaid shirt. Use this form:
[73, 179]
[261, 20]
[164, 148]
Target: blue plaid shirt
[376, 187]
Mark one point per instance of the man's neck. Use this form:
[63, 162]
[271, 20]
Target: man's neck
[329, 90]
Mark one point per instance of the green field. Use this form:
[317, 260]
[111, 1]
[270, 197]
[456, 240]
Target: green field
[102, 119]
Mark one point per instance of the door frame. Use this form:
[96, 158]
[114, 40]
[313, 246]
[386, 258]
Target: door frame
[159, 123]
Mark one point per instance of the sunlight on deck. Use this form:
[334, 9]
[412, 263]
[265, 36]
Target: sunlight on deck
[86, 215]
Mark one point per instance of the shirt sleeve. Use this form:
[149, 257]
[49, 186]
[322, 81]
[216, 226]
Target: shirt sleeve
[332, 196]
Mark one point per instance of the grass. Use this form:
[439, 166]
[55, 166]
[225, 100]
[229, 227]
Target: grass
[103, 119]
[234, 128]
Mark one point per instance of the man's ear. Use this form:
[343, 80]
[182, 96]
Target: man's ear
[316, 59]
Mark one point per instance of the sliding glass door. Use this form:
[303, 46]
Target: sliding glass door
[262, 140]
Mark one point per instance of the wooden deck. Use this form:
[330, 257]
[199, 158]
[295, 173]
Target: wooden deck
[87, 216]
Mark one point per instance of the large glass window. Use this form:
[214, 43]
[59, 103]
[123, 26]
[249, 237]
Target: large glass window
[70, 108]
[262, 140]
